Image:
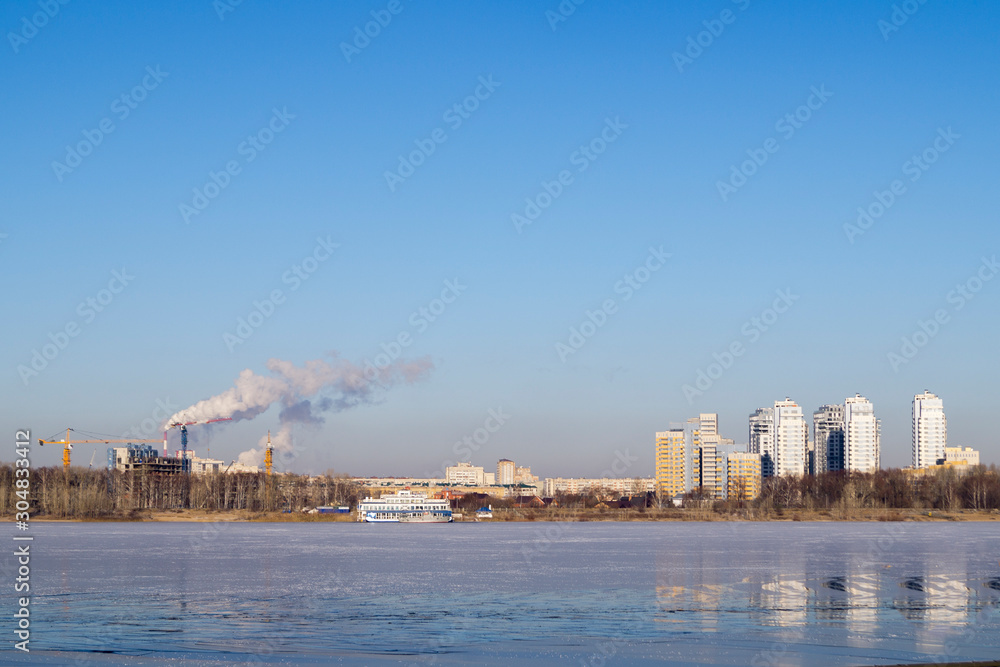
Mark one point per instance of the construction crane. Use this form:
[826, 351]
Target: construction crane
[68, 444]
[268, 454]
[184, 433]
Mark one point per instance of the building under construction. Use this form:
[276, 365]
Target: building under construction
[143, 458]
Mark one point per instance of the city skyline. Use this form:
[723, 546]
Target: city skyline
[464, 450]
[588, 240]
[684, 311]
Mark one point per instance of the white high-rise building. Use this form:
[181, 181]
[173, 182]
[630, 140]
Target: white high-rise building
[930, 430]
[762, 439]
[506, 471]
[861, 435]
[708, 461]
[828, 436]
[790, 431]
[709, 423]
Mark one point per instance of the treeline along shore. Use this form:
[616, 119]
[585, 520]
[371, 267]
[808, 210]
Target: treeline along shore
[886, 495]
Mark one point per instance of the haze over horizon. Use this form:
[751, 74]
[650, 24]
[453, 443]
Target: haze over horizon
[568, 218]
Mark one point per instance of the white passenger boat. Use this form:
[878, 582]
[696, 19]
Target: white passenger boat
[404, 506]
[426, 516]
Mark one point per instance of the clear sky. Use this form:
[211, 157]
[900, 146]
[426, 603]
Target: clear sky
[742, 158]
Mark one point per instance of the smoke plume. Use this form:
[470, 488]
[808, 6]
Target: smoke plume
[305, 393]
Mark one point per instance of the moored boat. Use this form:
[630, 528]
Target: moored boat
[426, 517]
[393, 509]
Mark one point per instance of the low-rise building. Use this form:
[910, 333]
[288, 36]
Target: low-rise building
[618, 485]
[743, 475]
[465, 474]
[957, 454]
[401, 482]
[200, 466]
[522, 475]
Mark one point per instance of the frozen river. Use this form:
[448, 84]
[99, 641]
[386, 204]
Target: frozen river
[532, 593]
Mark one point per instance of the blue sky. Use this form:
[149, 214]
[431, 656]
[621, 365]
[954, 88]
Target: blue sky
[888, 94]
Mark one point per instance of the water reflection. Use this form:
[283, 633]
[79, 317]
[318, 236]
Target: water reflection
[852, 600]
[858, 596]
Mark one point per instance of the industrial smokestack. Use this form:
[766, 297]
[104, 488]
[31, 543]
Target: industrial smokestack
[305, 393]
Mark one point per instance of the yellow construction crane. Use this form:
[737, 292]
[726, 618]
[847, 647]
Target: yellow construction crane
[268, 454]
[68, 444]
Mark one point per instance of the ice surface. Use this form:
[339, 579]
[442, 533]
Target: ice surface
[590, 593]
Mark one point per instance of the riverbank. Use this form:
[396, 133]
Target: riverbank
[561, 514]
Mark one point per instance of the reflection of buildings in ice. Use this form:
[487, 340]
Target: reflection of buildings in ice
[934, 599]
[991, 592]
[699, 604]
[681, 591]
[786, 599]
[863, 601]
[698, 589]
[831, 600]
[941, 605]
[852, 599]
